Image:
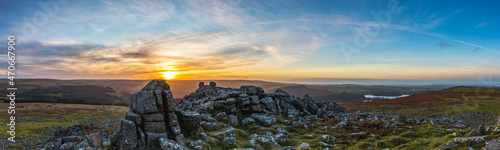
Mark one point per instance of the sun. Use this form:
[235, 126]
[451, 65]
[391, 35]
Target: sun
[169, 75]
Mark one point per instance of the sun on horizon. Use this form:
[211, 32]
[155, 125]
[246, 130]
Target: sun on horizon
[169, 75]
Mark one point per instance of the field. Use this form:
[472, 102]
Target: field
[40, 120]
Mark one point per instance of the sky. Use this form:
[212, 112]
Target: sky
[254, 40]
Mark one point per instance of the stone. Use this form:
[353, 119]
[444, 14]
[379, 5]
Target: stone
[280, 93]
[197, 144]
[127, 135]
[476, 139]
[207, 117]
[201, 85]
[166, 144]
[233, 119]
[159, 100]
[157, 84]
[268, 138]
[153, 118]
[252, 143]
[229, 132]
[141, 139]
[157, 127]
[311, 105]
[145, 103]
[67, 146]
[254, 99]
[493, 144]
[434, 122]
[54, 145]
[71, 139]
[281, 138]
[288, 148]
[229, 140]
[477, 130]
[449, 146]
[84, 145]
[172, 119]
[303, 145]
[253, 136]
[152, 139]
[190, 121]
[95, 140]
[270, 104]
[256, 108]
[212, 83]
[180, 139]
[203, 136]
[248, 120]
[130, 115]
[264, 120]
[251, 90]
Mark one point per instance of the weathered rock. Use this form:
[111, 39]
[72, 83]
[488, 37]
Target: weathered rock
[449, 146]
[212, 83]
[493, 144]
[477, 130]
[152, 139]
[207, 117]
[270, 104]
[153, 118]
[95, 140]
[54, 145]
[229, 132]
[434, 122]
[67, 146]
[201, 85]
[157, 127]
[248, 120]
[268, 138]
[252, 143]
[251, 90]
[84, 145]
[144, 103]
[311, 105]
[229, 140]
[197, 144]
[127, 135]
[130, 115]
[167, 144]
[476, 139]
[141, 139]
[280, 93]
[288, 148]
[71, 139]
[233, 119]
[264, 120]
[157, 84]
[190, 121]
[303, 145]
[288, 110]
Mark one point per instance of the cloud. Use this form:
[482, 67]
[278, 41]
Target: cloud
[444, 45]
[482, 24]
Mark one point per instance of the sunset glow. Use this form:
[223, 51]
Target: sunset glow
[169, 75]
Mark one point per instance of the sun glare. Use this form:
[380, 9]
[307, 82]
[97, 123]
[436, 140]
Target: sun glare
[169, 75]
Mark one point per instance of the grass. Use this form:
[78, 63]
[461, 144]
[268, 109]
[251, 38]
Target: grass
[36, 119]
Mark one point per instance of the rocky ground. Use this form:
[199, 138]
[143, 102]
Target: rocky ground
[214, 117]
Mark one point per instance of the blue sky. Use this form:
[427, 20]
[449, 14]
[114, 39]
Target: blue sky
[264, 40]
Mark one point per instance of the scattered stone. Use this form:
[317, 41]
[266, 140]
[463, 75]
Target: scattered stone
[229, 132]
[167, 144]
[248, 120]
[493, 144]
[477, 130]
[233, 119]
[449, 146]
[303, 145]
[264, 120]
[476, 139]
[229, 140]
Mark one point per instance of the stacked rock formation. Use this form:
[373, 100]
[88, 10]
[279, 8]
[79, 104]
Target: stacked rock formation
[251, 99]
[152, 116]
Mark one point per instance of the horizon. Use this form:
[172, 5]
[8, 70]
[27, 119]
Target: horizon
[316, 42]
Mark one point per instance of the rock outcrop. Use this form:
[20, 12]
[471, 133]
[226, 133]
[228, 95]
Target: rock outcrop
[155, 121]
[251, 99]
[152, 117]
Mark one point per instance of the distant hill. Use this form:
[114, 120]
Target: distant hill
[446, 97]
[33, 90]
